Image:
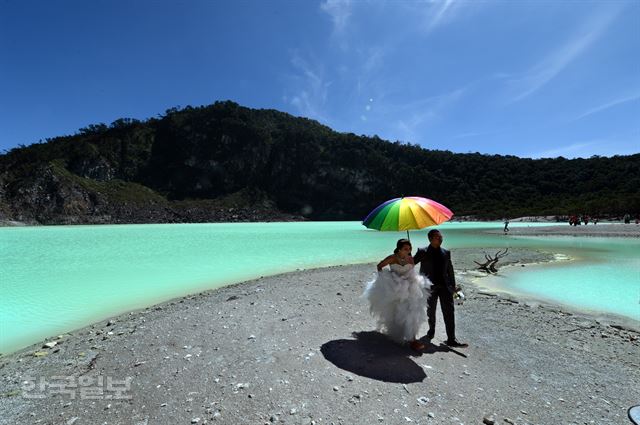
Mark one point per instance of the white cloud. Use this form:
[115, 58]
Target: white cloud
[603, 147]
[569, 151]
[422, 112]
[439, 13]
[549, 67]
[608, 105]
[367, 70]
[427, 16]
[339, 11]
[310, 89]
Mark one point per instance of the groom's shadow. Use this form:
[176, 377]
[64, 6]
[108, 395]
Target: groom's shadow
[374, 356]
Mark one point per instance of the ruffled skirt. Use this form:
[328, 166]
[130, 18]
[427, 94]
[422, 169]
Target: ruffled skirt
[399, 303]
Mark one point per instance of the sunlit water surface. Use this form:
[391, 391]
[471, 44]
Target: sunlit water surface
[58, 278]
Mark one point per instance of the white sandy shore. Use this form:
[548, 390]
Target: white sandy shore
[300, 348]
[597, 230]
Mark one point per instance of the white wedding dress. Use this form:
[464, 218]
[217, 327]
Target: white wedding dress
[398, 300]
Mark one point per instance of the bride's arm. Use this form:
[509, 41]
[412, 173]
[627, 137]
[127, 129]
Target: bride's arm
[419, 256]
[389, 260]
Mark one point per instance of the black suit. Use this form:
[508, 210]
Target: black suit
[436, 265]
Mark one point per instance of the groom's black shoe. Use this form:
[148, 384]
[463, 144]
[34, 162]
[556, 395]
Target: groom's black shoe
[430, 335]
[457, 344]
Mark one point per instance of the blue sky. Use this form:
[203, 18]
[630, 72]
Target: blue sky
[526, 78]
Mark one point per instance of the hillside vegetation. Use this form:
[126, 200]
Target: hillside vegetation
[227, 162]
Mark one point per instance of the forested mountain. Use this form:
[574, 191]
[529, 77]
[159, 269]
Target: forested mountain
[227, 162]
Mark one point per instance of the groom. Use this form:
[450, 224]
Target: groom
[435, 263]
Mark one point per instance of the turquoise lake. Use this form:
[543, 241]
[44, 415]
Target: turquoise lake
[55, 279]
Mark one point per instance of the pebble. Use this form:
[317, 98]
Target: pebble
[195, 420]
[72, 420]
[509, 421]
[431, 415]
[336, 389]
[50, 344]
[489, 420]
[293, 411]
[423, 400]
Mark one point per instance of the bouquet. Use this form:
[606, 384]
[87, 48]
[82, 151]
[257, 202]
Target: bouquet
[458, 296]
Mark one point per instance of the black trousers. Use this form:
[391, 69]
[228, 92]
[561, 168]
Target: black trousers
[446, 304]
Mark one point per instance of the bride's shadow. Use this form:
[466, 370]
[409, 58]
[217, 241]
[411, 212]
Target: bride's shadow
[372, 355]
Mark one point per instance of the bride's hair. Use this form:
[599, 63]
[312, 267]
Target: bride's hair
[400, 244]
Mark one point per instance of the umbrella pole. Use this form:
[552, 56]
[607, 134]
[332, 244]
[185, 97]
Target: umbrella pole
[408, 235]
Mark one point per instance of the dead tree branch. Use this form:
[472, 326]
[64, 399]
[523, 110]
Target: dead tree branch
[489, 265]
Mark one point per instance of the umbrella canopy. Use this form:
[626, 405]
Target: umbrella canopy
[406, 213]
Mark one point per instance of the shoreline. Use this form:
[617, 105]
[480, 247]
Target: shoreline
[607, 230]
[466, 274]
[479, 279]
[284, 217]
[463, 265]
[279, 349]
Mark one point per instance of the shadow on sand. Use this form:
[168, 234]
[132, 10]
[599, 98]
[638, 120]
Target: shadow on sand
[372, 355]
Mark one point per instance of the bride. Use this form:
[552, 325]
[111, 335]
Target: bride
[398, 296]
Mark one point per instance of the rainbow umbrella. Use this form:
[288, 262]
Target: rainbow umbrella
[410, 212]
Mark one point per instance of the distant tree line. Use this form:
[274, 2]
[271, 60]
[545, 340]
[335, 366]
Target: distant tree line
[307, 168]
